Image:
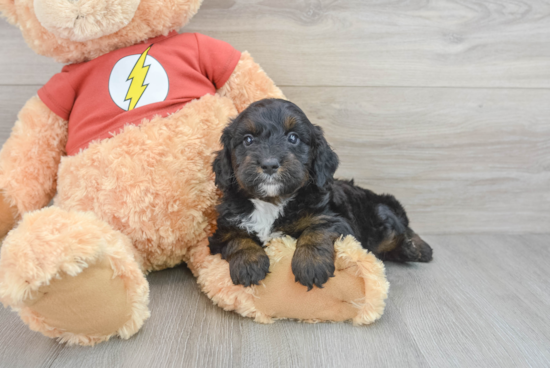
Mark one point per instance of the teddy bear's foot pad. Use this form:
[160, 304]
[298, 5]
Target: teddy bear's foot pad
[71, 276]
[357, 292]
[92, 303]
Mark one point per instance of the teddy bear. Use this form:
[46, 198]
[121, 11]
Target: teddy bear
[122, 140]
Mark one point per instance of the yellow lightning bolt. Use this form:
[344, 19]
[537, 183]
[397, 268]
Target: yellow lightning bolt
[137, 76]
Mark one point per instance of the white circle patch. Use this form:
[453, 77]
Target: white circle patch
[138, 80]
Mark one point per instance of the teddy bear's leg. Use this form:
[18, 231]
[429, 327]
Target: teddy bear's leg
[29, 161]
[356, 293]
[71, 276]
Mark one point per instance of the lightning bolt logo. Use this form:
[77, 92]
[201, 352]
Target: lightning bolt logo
[138, 74]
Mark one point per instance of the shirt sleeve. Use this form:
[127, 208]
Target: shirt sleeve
[58, 95]
[217, 59]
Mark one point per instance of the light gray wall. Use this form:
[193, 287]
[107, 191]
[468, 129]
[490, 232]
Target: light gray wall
[445, 104]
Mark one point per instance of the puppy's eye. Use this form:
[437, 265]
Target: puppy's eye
[293, 138]
[248, 139]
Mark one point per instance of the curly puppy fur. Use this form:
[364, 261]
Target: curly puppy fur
[276, 173]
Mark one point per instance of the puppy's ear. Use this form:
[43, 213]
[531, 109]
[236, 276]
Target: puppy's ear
[325, 160]
[222, 163]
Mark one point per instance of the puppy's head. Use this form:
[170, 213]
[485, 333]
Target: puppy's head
[271, 149]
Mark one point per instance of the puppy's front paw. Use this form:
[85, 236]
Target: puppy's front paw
[313, 265]
[248, 266]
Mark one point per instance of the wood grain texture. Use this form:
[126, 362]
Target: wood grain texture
[362, 42]
[483, 302]
[460, 160]
[12, 100]
[389, 43]
[19, 65]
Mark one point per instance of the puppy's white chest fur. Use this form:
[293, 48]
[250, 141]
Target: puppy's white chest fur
[262, 218]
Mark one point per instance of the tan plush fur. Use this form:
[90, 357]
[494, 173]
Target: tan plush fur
[152, 18]
[7, 9]
[140, 201]
[350, 254]
[154, 182]
[249, 83]
[7, 217]
[357, 293]
[85, 19]
[30, 158]
[212, 274]
[52, 242]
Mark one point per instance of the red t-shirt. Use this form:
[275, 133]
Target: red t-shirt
[156, 77]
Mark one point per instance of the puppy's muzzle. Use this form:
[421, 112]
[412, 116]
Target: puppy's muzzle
[270, 165]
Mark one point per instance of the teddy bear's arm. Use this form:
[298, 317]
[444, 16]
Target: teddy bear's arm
[29, 160]
[249, 83]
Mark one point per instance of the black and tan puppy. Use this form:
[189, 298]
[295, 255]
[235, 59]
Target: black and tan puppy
[276, 173]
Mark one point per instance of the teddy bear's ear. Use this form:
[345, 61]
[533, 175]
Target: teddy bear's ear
[7, 9]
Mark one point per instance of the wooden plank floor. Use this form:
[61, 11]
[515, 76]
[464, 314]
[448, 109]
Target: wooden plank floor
[483, 302]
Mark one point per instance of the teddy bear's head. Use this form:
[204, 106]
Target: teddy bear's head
[72, 31]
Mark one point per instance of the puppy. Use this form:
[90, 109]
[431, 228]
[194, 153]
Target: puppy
[276, 174]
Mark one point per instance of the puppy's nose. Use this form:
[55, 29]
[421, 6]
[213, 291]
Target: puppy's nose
[270, 165]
